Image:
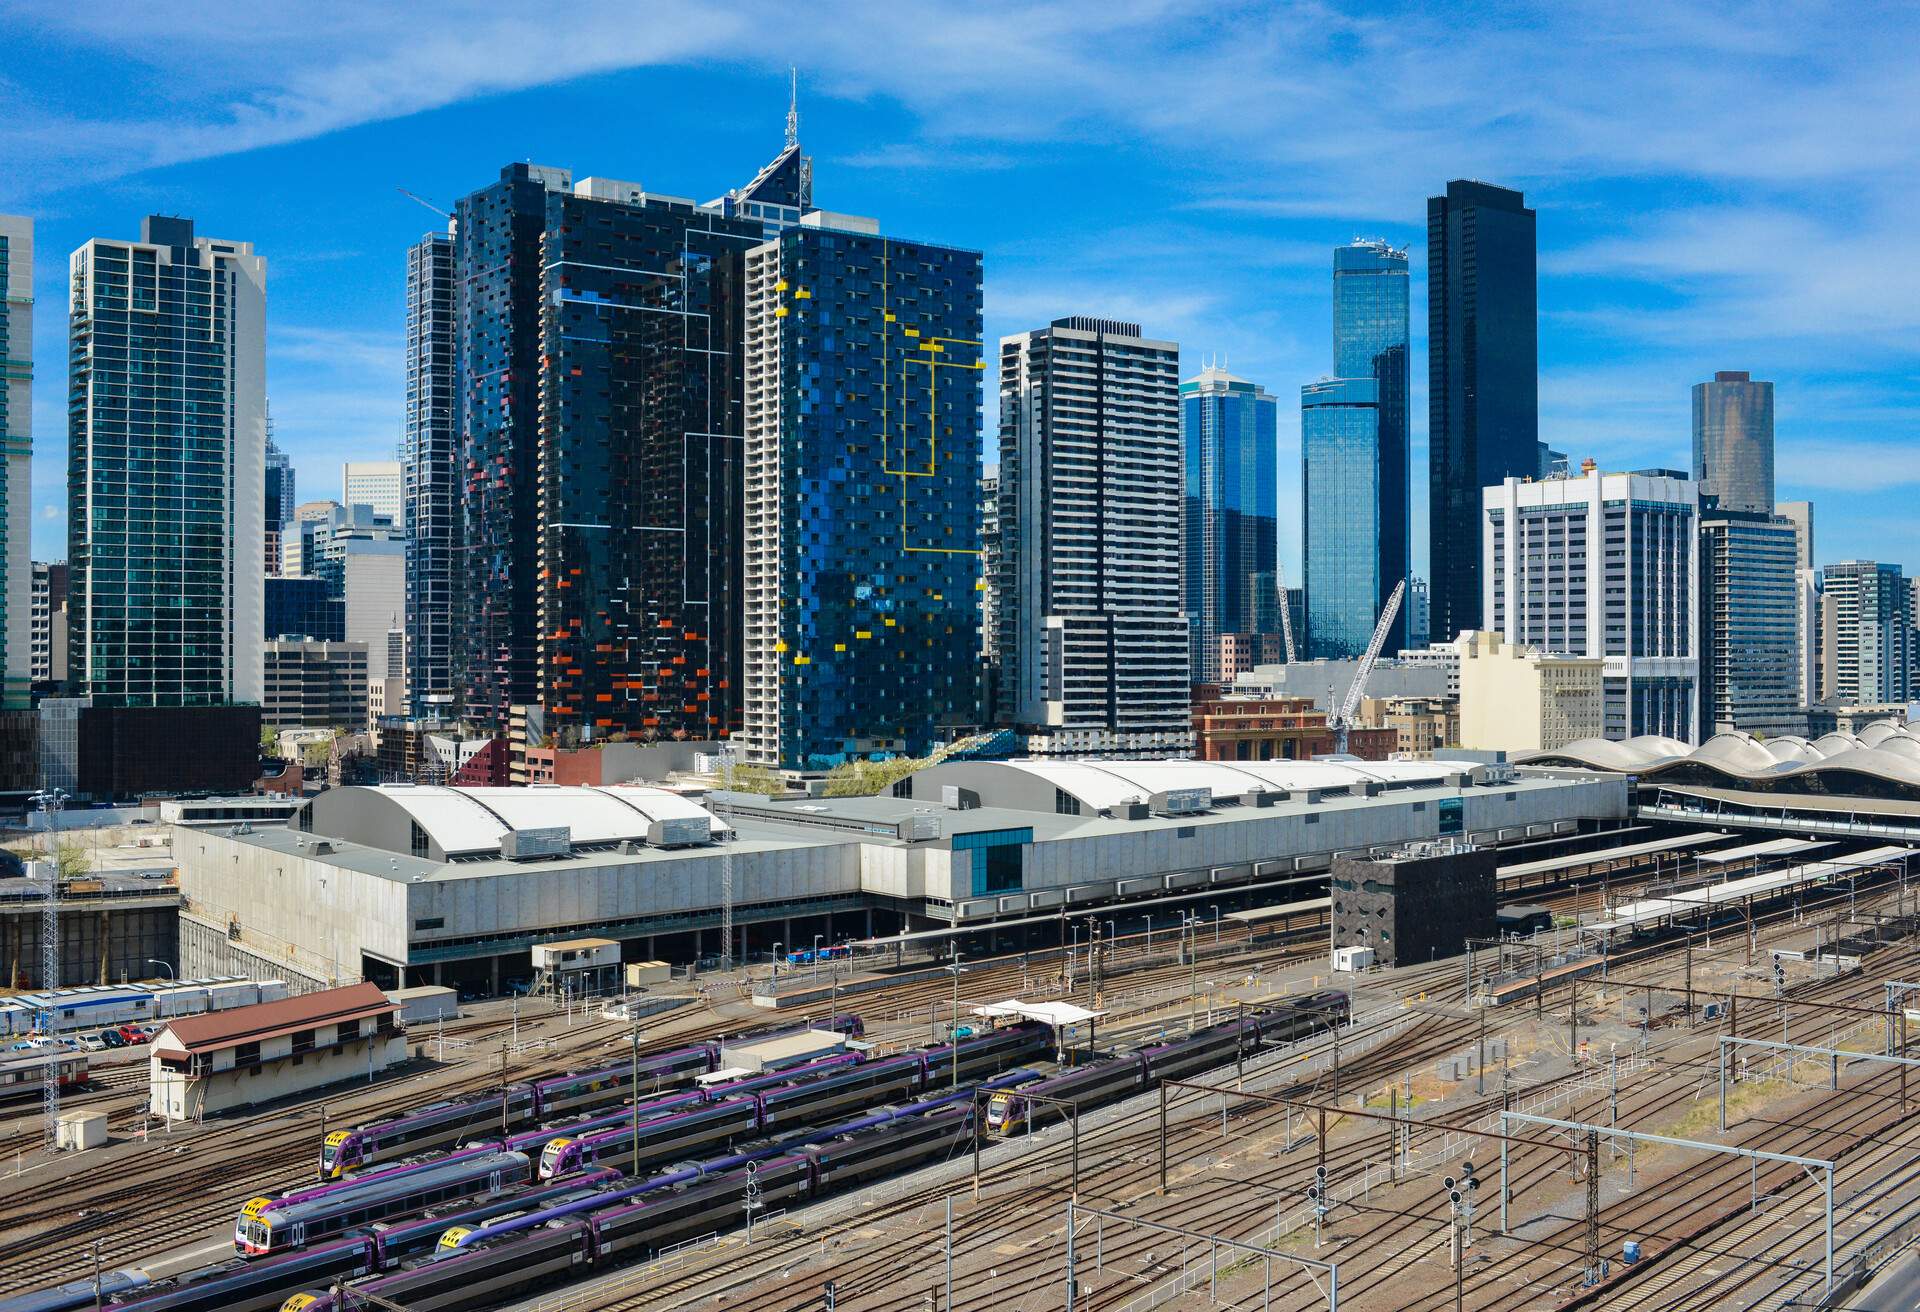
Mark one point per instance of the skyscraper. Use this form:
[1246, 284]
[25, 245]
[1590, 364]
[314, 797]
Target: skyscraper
[1230, 528]
[598, 363]
[279, 499]
[1482, 379]
[427, 456]
[1604, 565]
[862, 477]
[1866, 634]
[166, 476]
[1093, 638]
[1370, 334]
[1733, 441]
[380, 484]
[1749, 625]
[1340, 514]
[1800, 515]
[16, 472]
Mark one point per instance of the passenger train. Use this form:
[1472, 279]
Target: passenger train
[442, 1124]
[484, 1272]
[23, 1073]
[1088, 1086]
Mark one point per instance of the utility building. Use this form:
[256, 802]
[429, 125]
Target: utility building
[1416, 905]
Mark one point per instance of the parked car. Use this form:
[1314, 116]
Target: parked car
[92, 1042]
[132, 1033]
[112, 1039]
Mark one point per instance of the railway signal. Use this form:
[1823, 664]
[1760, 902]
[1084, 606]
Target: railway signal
[828, 1289]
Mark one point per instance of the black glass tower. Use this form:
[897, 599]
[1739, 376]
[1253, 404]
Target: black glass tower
[1482, 379]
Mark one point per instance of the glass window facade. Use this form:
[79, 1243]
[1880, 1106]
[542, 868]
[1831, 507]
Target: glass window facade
[1341, 511]
[1370, 318]
[1482, 380]
[1733, 441]
[998, 859]
[1230, 527]
[862, 497]
[430, 473]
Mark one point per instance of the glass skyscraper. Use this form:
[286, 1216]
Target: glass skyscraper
[16, 459]
[1483, 416]
[1733, 441]
[862, 495]
[1341, 509]
[598, 361]
[1750, 625]
[1369, 342]
[166, 480]
[430, 475]
[1230, 528]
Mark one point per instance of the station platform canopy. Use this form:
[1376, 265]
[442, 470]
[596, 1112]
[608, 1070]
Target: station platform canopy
[1772, 847]
[1622, 853]
[1056, 1014]
[1260, 915]
[1817, 872]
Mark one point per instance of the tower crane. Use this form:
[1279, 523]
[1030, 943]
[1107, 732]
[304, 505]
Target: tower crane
[419, 200]
[1286, 611]
[1342, 720]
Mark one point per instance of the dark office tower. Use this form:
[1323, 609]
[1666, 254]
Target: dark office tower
[1370, 333]
[280, 494]
[430, 478]
[1733, 441]
[1482, 379]
[598, 356]
[862, 489]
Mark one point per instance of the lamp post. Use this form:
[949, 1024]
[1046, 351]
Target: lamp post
[816, 954]
[777, 945]
[155, 961]
[1215, 908]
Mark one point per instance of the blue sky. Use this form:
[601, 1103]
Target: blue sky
[1719, 186]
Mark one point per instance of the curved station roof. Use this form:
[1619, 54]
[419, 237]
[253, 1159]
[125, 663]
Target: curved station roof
[1882, 760]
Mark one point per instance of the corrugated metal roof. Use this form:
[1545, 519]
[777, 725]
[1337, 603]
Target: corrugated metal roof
[265, 1020]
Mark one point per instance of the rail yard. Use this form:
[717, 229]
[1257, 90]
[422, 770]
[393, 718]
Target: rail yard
[1703, 1109]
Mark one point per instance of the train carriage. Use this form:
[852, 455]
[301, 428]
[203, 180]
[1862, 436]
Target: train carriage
[269, 1225]
[438, 1125]
[22, 1074]
[407, 1237]
[882, 1150]
[661, 1139]
[251, 1286]
[705, 1207]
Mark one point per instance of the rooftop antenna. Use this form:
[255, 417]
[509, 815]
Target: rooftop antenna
[793, 106]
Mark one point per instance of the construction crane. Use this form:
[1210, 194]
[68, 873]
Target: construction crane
[420, 200]
[1286, 612]
[1342, 719]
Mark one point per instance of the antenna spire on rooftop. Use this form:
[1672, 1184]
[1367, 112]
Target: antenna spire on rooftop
[793, 106]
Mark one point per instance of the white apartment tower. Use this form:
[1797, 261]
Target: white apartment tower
[1092, 639]
[1604, 565]
[377, 483]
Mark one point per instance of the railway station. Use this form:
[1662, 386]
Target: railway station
[408, 885]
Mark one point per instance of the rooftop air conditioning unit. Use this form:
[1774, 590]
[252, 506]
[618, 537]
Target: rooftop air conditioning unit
[533, 844]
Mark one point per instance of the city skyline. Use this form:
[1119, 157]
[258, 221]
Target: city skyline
[1640, 298]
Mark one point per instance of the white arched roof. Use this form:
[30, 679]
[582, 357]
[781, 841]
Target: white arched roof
[469, 821]
[1885, 750]
[1102, 785]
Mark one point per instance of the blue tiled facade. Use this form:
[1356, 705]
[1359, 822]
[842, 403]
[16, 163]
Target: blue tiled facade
[1370, 331]
[879, 450]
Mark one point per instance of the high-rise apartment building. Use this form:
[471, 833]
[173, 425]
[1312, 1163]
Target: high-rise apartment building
[1482, 379]
[1230, 526]
[16, 466]
[989, 588]
[167, 467]
[1604, 565]
[1733, 441]
[1800, 515]
[1749, 625]
[1866, 634]
[380, 484]
[429, 452]
[598, 361]
[1419, 613]
[862, 501]
[1093, 637]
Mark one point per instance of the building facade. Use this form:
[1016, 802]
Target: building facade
[1419, 605]
[1733, 441]
[1519, 698]
[1866, 634]
[315, 685]
[1482, 379]
[1370, 340]
[1749, 625]
[278, 503]
[380, 484]
[862, 495]
[1230, 523]
[431, 479]
[1340, 515]
[167, 467]
[17, 650]
[1604, 565]
[1093, 637]
[599, 361]
[49, 663]
[1800, 515]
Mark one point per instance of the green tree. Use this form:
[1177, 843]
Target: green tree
[752, 779]
[73, 860]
